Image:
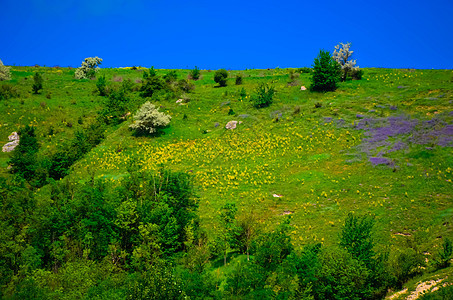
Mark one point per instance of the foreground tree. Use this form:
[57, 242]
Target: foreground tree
[326, 73]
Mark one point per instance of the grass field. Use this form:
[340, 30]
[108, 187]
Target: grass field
[380, 146]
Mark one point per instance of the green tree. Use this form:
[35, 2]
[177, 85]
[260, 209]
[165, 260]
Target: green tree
[101, 84]
[326, 73]
[356, 238]
[341, 277]
[195, 73]
[24, 159]
[37, 83]
[247, 232]
[445, 253]
[272, 248]
[229, 229]
[221, 77]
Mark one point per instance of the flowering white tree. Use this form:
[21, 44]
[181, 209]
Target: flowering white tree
[342, 55]
[89, 68]
[148, 119]
[5, 73]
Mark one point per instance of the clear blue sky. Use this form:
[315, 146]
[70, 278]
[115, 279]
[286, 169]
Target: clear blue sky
[225, 34]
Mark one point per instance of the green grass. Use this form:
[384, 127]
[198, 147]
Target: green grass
[303, 157]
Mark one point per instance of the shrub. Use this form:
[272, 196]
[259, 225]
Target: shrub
[185, 85]
[304, 70]
[148, 119]
[263, 96]
[170, 76]
[5, 73]
[326, 73]
[88, 68]
[8, 91]
[195, 73]
[151, 85]
[445, 254]
[151, 73]
[37, 83]
[24, 159]
[238, 79]
[100, 84]
[220, 77]
[115, 107]
[348, 67]
[356, 238]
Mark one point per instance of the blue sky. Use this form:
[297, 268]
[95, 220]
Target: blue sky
[225, 34]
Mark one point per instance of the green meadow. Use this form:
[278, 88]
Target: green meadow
[377, 148]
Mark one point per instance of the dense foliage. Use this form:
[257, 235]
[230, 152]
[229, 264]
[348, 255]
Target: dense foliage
[326, 72]
[88, 68]
[5, 73]
[221, 77]
[149, 119]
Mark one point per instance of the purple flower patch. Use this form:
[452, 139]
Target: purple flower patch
[380, 161]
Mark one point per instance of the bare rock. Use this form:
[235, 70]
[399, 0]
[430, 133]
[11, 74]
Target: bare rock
[231, 125]
[14, 141]
[303, 88]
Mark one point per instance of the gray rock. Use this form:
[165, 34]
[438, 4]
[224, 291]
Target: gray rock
[14, 141]
[231, 125]
[8, 147]
[244, 116]
[216, 124]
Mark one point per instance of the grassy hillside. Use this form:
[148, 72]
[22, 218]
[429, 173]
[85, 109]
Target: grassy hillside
[379, 146]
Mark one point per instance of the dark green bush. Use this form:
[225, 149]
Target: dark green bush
[195, 73]
[37, 83]
[100, 84]
[238, 79]
[264, 95]
[8, 91]
[151, 85]
[24, 159]
[185, 85]
[444, 257]
[170, 76]
[326, 73]
[220, 77]
[357, 74]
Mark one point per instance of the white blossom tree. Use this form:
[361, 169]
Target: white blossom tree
[88, 68]
[5, 73]
[342, 55]
[149, 119]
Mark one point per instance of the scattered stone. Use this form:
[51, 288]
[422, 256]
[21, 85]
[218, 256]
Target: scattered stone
[179, 101]
[244, 116]
[225, 103]
[231, 125]
[403, 234]
[277, 195]
[303, 88]
[287, 212]
[216, 124]
[13, 136]
[14, 141]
